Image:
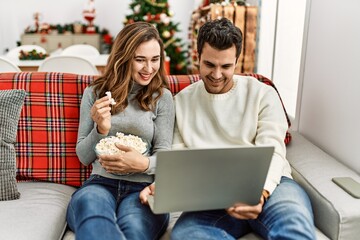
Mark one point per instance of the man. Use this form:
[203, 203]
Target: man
[226, 110]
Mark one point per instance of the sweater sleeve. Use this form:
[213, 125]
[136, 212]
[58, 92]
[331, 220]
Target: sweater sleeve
[271, 130]
[164, 127]
[87, 133]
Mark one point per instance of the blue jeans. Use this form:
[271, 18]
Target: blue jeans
[286, 215]
[108, 209]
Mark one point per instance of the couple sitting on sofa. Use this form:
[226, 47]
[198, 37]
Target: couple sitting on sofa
[234, 110]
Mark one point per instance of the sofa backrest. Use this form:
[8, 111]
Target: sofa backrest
[48, 125]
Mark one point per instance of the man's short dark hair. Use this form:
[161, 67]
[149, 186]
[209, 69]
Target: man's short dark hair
[220, 34]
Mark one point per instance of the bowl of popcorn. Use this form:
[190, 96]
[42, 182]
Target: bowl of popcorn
[106, 146]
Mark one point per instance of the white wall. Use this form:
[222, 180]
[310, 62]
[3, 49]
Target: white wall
[266, 37]
[16, 15]
[330, 104]
[288, 49]
[280, 47]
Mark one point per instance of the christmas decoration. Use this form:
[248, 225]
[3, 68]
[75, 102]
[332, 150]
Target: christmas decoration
[242, 15]
[37, 27]
[89, 15]
[238, 2]
[157, 12]
[37, 17]
[107, 41]
[77, 27]
[32, 55]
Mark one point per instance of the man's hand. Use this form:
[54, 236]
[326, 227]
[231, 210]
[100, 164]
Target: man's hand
[244, 211]
[149, 190]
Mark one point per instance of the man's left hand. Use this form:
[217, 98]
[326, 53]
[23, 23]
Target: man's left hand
[244, 211]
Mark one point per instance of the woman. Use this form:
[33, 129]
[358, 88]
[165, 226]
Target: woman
[107, 206]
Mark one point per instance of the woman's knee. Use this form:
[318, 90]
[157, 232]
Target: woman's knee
[92, 198]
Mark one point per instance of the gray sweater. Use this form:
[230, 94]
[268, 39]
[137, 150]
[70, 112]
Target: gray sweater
[155, 127]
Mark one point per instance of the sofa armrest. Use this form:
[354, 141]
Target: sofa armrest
[337, 214]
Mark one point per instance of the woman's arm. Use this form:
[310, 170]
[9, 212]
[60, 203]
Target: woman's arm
[88, 135]
[164, 127]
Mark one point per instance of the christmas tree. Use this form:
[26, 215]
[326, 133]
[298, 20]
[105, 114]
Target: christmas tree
[157, 13]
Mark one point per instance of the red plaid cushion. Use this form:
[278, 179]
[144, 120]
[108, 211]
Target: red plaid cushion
[48, 124]
[47, 129]
[179, 82]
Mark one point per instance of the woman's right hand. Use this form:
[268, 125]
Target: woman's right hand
[101, 114]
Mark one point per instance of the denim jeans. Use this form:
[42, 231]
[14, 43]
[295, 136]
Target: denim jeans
[108, 209]
[286, 215]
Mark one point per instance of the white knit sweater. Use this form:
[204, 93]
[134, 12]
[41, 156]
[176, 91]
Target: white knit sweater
[249, 114]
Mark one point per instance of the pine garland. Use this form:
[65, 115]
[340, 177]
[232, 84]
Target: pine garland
[32, 55]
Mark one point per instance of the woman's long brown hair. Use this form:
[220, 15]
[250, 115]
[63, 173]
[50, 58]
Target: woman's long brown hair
[117, 77]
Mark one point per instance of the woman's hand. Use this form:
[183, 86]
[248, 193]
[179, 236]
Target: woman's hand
[130, 161]
[244, 211]
[149, 190]
[101, 114]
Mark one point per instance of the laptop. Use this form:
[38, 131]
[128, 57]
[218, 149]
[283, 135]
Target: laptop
[207, 179]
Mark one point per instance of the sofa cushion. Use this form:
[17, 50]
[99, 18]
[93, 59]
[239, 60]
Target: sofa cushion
[48, 125]
[337, 214]
[11, 102]
[40, 213]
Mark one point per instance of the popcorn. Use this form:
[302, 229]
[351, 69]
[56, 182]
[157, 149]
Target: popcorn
[108, 93]
[107, 145]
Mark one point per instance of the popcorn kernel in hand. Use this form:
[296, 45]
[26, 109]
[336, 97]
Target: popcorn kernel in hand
[108, 93]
